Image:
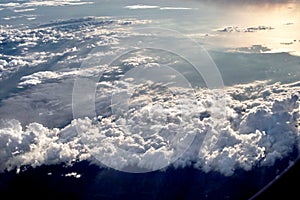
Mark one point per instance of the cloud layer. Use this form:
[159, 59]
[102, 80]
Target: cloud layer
[261, 126]
[163, 124]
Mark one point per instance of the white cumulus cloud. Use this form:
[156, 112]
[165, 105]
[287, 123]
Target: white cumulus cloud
[259, 128]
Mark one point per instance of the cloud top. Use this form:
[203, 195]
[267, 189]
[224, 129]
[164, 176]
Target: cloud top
[260, 128]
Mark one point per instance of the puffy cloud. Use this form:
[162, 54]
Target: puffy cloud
[29, 44]
[259, 128]
[36, 145]
[158, 128]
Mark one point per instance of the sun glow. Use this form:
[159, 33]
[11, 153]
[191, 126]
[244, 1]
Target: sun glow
[274, 26]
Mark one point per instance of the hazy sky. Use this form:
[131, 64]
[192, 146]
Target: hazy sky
[253, 2]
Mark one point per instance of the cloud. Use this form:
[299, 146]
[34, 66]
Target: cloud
[24, 10]
[260, 127]
[36, 3]
[73, 174]
[252, 49]
[245, 30]
[138, 60]
[249, 1]
[36, 146]
[46, 76]
[32, 44]
[175, 8]
[140, 6]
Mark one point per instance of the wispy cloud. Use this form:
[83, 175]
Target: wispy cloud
[35, 3]
[140, 6]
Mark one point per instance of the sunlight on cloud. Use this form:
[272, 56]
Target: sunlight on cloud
[260, 128]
